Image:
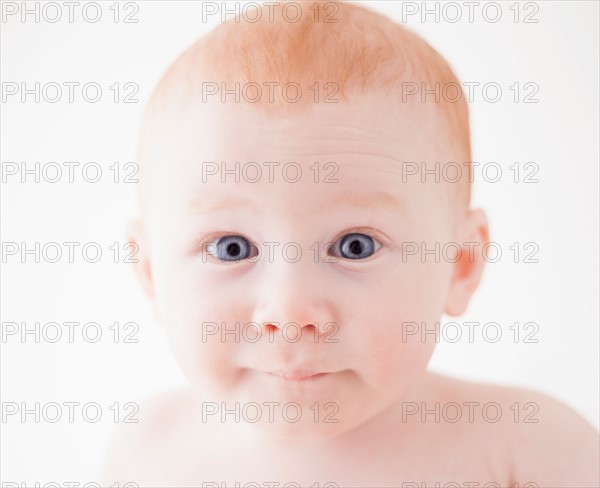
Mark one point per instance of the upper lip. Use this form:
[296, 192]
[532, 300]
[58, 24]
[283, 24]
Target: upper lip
[296, 374]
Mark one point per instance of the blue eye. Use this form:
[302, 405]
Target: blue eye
[232, 248]
[355, 246]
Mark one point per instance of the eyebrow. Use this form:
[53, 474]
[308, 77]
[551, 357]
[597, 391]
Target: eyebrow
[226, 204]
[378, 199]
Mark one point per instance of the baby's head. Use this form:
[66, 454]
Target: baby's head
[285, 233]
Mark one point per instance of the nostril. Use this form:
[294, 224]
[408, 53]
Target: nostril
[293, 330]
[271, 329]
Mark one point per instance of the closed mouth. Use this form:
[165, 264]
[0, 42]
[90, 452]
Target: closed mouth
[298, 375]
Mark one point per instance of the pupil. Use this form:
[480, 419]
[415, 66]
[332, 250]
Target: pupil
[355, 247]
[233, 249]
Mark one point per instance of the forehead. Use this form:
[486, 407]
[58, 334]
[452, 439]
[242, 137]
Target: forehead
[333, 153]
[414, 129]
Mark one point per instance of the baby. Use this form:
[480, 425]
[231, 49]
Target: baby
[280, 214]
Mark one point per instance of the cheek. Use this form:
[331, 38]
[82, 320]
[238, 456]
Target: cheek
[200, 323]
[395, 347]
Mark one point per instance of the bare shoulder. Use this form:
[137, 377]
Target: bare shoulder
[134, 444]
[562, 449]
[548, 443]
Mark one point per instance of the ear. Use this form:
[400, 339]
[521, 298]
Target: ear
[467, 270]
[136, 234]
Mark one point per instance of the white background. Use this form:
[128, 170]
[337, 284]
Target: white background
[560, 213]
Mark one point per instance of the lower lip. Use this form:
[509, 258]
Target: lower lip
[298, 378]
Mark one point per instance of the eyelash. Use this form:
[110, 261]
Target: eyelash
[356, 230]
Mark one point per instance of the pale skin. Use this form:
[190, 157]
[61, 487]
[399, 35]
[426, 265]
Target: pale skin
[375, 372]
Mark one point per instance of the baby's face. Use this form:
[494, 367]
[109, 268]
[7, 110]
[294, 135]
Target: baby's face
[326, 326]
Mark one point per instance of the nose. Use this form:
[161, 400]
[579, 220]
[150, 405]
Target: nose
[292, 298]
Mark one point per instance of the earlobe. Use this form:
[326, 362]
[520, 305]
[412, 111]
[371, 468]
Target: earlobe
[468, 270]
[137, 235]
